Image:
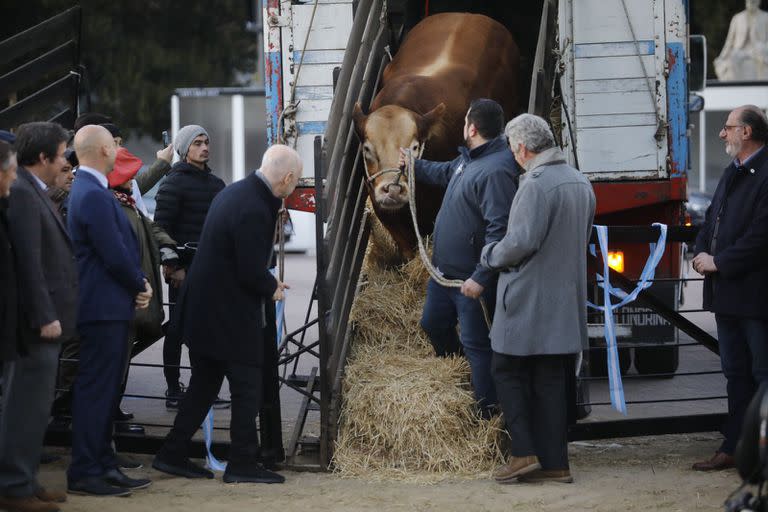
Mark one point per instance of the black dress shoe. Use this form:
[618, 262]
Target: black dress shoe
[96, 486]
[257, 474]
[181, 467]
[129, 428]
[123, 416]
[126, 463]
[119, 479]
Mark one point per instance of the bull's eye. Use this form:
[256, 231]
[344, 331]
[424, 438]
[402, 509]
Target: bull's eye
[415, 146]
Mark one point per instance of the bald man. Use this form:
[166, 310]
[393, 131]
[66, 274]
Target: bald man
[223, 317]
[112, 286]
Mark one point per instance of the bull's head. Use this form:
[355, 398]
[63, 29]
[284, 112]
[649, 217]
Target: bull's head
[382, 133]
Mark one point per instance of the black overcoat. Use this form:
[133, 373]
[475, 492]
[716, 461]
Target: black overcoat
[229, 282]
[740, 286]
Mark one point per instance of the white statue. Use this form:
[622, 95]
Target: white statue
[745, 53]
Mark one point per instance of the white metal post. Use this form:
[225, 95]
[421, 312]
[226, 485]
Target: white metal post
[702, 151]
[175, 122]
[238, 137]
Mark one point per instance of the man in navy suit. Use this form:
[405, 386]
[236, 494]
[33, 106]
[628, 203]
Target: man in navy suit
[112, 285]
[48, 298]
[223, 312]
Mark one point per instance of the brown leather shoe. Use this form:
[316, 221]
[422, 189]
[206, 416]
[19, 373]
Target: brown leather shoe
[547, 475]
[26, 504]
[44, 494]
[718, 462]
[515, 467]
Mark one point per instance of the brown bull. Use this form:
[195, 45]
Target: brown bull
[445, 62]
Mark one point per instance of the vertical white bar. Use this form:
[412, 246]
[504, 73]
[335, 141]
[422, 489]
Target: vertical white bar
[702, 150]
[238, 137]
[175, 122]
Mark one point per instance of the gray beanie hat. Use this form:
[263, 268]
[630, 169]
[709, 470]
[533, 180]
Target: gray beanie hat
[185, 137]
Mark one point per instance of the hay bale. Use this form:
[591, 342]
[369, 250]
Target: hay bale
[407, 415]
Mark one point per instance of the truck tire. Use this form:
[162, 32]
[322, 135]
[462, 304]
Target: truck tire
[598, 361]
[659, 359]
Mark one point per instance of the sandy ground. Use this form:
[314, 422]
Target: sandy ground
[611, 475]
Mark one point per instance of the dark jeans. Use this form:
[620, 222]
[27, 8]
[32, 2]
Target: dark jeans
[245, 385]
[172, 347]
[533, 398]
[443, 309]
[744, 358]
[96, 393]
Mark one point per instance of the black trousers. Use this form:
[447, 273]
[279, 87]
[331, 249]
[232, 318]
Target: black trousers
[172, 346]
[533, 398]
[245, 386]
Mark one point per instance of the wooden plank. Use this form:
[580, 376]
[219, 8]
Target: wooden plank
[606, 149]
[616, 121]
[317, 74]
[618, 103]
[611, 22]
[614, 49]
[617, 85]
[324, 33]
[606, 68]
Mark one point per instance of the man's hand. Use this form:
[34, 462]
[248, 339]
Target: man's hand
[166, 153]
[280, 292]
[51, 331]
[472, 289]
[704, 264]
[143, 298]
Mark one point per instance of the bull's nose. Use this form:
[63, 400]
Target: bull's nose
[392, 188]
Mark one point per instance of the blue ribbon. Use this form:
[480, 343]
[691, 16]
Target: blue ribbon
[213, 463]
[646, 280]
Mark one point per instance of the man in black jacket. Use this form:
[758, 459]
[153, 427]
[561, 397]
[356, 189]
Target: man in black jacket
[223, 317]
[46, 267]
[731, 251]
[9, 299]
[481, 183]
[183, 200]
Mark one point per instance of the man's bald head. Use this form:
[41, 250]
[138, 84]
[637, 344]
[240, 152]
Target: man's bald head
[95, 148]
[282, 167]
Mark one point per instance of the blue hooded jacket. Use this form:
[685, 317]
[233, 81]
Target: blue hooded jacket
[481, 184]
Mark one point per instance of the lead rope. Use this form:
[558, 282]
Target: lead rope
[433, 272]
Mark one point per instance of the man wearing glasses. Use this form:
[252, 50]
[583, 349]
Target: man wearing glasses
[731, 251]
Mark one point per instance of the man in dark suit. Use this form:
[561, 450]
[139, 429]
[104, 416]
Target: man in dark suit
[112, 285]
[224, 320]
[731, 251]
[48, 298]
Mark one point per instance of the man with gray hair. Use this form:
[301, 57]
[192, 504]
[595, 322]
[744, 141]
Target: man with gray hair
[223, 317]
[183, 200]
[541, 311]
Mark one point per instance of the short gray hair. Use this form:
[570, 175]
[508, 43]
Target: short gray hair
[531, 131]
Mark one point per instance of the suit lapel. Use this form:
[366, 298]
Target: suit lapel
[45, 200]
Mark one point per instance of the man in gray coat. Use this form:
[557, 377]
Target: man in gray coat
[541, 311]
[46, 267]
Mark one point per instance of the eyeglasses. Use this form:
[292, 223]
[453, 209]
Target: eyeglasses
[727, 127]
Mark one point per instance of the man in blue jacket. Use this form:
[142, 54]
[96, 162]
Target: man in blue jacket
[112, 285]
[481, 183]
[731, 251]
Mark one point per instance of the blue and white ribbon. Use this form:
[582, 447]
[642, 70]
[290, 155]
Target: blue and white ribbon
[212, 462]
[646, 280]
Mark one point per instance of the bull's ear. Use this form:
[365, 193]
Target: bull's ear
[359, 119]
[429, 122]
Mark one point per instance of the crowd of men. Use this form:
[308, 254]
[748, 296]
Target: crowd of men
[82, 266]
[82, 269]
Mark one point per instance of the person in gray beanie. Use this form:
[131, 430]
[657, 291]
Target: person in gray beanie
[185, 137]
[183, 200]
